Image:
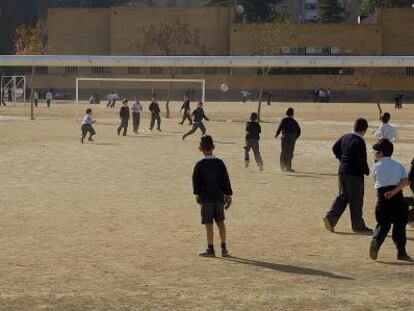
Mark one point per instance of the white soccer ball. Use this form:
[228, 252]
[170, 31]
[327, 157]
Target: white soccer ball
[224, 87]
[239, 9]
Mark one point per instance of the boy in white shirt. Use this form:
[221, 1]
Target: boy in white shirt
[87, 125]
[386, 130]
[389, 177]
[36, 98]
[49, 97]
[136, 109]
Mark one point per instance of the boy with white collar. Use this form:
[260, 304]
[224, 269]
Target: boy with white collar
[389, 177]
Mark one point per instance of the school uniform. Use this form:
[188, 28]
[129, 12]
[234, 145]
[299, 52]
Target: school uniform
[155, 110]
[36, 98]
[387, 131]
[109, 98]
[387, 174]
[86, 126]
[253, 130]
[49, 97]
[211, 183]
[410, 200]
[186, 114]
[198, 116]
[291, 131]
[124, 115]
[350, 150]
[136, 115]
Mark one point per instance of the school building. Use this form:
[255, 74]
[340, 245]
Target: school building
[214, 31]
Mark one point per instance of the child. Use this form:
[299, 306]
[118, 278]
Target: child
[187, 109]
[386, 130]
[290, 130]
[212, 188]
[124, 115]
[136, 114]
[198, 116]
[253, 130]
[410, 200]
[87, 125]
[389, 177]
[155, 110]
[49, 97]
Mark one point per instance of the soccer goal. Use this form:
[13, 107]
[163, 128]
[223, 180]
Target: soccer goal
[13, 88]
[201, 82]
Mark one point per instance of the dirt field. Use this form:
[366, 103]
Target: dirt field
[113, 225]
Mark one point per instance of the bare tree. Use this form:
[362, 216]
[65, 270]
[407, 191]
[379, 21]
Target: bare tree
[270, 39]
[171, 39]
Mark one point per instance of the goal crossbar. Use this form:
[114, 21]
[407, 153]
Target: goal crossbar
[77, 102]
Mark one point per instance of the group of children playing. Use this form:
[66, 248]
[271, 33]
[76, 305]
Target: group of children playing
[212, 186]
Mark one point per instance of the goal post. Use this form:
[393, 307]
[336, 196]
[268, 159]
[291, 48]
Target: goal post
[15, 86]
[202, 83]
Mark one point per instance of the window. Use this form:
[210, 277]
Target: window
[134, 70]
[210, 70]
[41, 70]
[97, 69]
[187, 71]
[71, 69]
[410, 71]
[156, 70]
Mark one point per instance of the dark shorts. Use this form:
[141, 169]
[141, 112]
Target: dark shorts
[85, 128]
[212, 211]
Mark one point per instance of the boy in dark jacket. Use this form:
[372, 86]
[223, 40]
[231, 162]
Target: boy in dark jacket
[212, 188]
[198, 116]
[155, 110]
[124, 115]
[253, 130]
[187, 111]
[290, 130]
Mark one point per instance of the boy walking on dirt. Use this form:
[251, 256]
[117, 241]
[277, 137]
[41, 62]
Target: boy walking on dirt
[198, 116]
[124, 115]
[87, 126]
[253, 130]
[212, 188]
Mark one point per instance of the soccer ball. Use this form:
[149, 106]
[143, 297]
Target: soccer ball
[224, 87]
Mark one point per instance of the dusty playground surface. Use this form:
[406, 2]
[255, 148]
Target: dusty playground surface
[113, 225]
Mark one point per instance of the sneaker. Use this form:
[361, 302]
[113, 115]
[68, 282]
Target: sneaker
[405, 257]
[328, 224]
[118, 132]
[374, 249]
[290, 170]
[124, 135]
[225, 252]
[246, 164]
[209, 252]
[364, 230]
[159, 130]
[180, 123]
[90, 139]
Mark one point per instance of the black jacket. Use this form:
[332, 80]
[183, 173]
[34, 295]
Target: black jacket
[154, 107]
[186, 105]
[351, 151]
[253, 130]
[211, 180]
[289, 125]
[199, 115]
[124, 112]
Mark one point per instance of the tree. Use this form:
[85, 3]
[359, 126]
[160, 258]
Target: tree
[330, 12]
[28, 42]
[169, 39]
[270, 39]
[368, 7]
[255, 10]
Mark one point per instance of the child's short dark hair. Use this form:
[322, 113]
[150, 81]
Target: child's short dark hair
[290, 112]
[385, 118]
[206, 143]
[360, 125]
[200, 103]
[88, 111]
[384, 146]
[253, 116]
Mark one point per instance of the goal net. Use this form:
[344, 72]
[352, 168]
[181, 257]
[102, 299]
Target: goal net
[96, 90]
[13, 89]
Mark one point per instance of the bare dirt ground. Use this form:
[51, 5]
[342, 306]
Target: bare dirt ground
[113, 225]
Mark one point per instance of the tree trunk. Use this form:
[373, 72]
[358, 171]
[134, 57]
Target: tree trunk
[31, 94]
[167, 104]
[259, 107]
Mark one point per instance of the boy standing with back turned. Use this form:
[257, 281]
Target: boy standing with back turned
[212, 188]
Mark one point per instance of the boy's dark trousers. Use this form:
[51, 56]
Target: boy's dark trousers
[389, 212]
[113, 103]
[186, 116]
[252, 143]
[288, 147]
[48, 103]
[351, 191]
[136, 116]
[155, 117]
[196, 125]
[124, 125]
